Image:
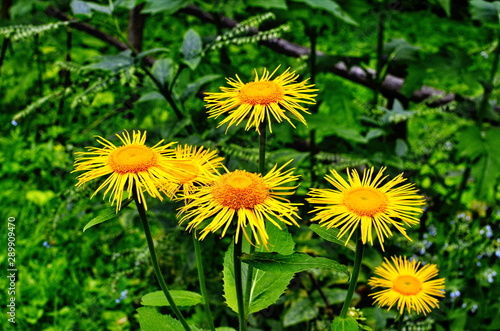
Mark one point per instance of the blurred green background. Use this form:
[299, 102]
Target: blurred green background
[411, 85]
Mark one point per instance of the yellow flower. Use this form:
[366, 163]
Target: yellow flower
[199, 167]
[245, 197]
[131, 167]
[261, 99]
[368, 204]
[408, 285]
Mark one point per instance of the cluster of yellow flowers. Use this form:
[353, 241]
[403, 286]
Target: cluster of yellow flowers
[211, 191]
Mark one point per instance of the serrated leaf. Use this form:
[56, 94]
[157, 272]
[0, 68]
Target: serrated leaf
[268, 4]
[293, 263]
[151, 320]
[331, 236]
[163, 70]
[167, 7]
[181, 298]
[267, 287]
[191, 49]
[331, 7]
[108, 214]
[344, 324]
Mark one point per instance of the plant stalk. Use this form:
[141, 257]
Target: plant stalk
[156, 266]
[201, 277]
[262, 146]
[358, 258]
[239, 285]
[401, 321]
[380, 53]
[5, 44]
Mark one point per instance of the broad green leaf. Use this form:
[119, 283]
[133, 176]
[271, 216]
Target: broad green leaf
[191, 49]
[167, 7]
[193, 87]
[268, 4]
[154, 95]
[331, 236]
[301, 310]
[484, 11]
[163, 70]
[266, 287]
[80, 8]
[151, 320]
[484, 152]
[446, 5]
[106, 215]
[331, 7]
[152, 51]
[296, 262]
[401, 148]
[112, 62]
[100, 8]
[344, 324]
[181, 298]
[225, 328]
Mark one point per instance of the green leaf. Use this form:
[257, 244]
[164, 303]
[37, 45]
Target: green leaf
[484, 152]
[100, 8]
[81, 8]
[152, 320]
[181, 298]
[112, 62]
[163, 70]
[300, 310]
[344, 324]
[486, 12]
[167, 7]
[331, 7]
[268, 4]
[106, 215]
[331, 236]
[401, 148]
[293, 263]
[445, 4]
[152, 51]
[193, 87]
[267, 287]
[154, 95]
[191, 49]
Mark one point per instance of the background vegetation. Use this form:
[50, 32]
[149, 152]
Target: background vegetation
[411, 85]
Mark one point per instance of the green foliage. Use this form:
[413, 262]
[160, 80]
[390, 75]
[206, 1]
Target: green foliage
[296, 262]
[110, 213]
[181, 298]
[61, 85]
[344, 324]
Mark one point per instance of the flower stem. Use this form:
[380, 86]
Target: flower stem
[262, 146]
[239, 285]
[401, 321]
[358, 257]
[156, 266]
[201, 277]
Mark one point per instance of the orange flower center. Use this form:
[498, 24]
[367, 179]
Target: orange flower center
[365, 201]
[407, 285]
[240, 190]
[188, 171]
[132, 159]
[261, 93]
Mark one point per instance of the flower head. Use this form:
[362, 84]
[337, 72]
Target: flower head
[245, 197]
[133, 167]
[261, 100]
[197, 166]
[408, 285]
[367, 204]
